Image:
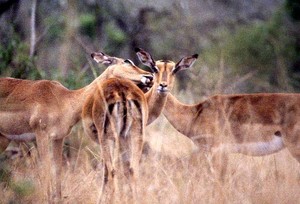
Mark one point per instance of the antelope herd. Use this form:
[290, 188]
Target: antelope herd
[47, 111]
[118, 105]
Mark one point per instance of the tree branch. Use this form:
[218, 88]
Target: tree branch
[32, 25]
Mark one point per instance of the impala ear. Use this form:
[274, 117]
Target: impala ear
[184, 63]
[146, 59]
[102, 58]
[129, 62]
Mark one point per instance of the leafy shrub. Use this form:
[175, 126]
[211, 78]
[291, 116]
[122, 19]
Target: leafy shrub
[23, 188]
[264, 47]
[116, 38]
[258, 46]
[15, 60]
[88, 25]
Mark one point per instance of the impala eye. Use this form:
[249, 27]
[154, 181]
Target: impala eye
[129, 61]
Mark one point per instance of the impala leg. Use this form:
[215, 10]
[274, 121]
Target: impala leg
[295, 154]
[57, 159]
[104, 194]
[218, 168]
[294, 148]
[44, 164]
[115, 157]
[219, 165]
[106, 191]
[136, 136]
[291, 140]
[117, 168]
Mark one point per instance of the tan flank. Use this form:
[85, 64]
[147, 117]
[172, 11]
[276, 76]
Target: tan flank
[118, 111]
[251, 124]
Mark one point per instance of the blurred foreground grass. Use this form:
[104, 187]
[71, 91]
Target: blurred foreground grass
[169, 174]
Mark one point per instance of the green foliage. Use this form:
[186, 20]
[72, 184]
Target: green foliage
[6, 54]
[249, 47]
[23, 188]
[264, 48]
[74, 80]
[258, 46]
[55, 27]
[88, 24]
[116, 38]
[15, 60]
[5, 172]
[293, 9]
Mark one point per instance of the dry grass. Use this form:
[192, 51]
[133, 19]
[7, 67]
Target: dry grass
[169, 174]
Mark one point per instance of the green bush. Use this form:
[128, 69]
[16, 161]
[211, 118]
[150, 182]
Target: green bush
[5, 172]
[258, 46]
[249, 48]
[265, 48]
[56, 28]
[116, 38]
[23, 188]
[88, 25]
[15, 60]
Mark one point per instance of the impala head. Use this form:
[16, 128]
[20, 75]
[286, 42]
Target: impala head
[120, 68]
[164, 70]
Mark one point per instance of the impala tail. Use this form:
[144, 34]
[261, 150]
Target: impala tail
[125, 120]
[125, 116]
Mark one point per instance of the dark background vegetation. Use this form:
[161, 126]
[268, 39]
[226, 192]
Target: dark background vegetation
[244, 46]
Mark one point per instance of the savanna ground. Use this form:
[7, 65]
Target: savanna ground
[169, 174]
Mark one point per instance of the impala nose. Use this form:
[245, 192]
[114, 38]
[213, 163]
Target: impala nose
[163, 87]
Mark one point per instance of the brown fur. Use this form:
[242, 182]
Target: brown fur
[212, 116]
[49, 110]
[254, 124]
[164, 72]
[113, 93]
[119, 111]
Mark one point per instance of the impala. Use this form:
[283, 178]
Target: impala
[115, 106]
[164, 75]
[47, 111]
[251, 124]
[118, 111]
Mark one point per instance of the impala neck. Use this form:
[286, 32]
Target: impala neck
[156, 102]
[181, 116]
[77, 98]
